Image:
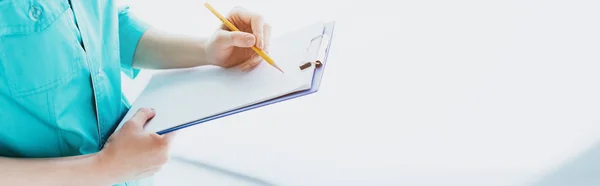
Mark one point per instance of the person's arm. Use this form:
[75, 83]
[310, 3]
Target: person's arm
[225, 48]
[130, 154]
[76, 170]
[160, 50]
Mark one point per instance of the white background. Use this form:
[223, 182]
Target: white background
[428, 92]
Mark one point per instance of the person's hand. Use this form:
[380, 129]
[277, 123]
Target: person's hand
[132, 153]
[228, 48]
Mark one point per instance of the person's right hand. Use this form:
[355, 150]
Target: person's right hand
[132, 153]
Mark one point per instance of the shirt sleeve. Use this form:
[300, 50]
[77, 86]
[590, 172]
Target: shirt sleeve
[131, 30]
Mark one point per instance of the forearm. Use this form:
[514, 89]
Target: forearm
[76, 170]
[158, 50]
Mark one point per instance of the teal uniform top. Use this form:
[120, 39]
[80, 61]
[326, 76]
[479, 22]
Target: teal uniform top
[60, 75]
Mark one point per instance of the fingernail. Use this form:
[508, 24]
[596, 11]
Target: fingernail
[249, 40]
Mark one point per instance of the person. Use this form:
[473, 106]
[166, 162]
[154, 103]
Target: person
[60, 88]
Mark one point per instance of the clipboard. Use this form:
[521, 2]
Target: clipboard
[315, 55]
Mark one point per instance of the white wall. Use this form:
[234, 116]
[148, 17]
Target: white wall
[419, 92]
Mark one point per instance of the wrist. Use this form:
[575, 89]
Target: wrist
[202, 52]
[100, 166]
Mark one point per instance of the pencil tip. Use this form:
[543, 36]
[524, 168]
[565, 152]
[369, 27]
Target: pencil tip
[274, 65]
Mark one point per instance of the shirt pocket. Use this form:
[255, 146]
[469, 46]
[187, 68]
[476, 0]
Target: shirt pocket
[38, 49]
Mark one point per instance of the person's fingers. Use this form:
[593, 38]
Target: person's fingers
[255, 21]
[140, 118]
[267, 36]
[235, 38]
[251, 62]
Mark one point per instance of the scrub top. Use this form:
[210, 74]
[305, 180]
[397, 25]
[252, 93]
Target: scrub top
[60, 75]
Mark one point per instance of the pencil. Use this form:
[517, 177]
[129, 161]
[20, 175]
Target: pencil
[233, 28]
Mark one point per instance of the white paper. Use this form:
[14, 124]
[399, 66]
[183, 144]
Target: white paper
[185, 95]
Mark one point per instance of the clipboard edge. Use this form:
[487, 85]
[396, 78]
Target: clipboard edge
[328, 30]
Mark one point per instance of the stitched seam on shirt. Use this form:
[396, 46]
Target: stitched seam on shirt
[42, 24]
[21, 93]
[54, 121]
[2, 69]
[91, 66]
[43, 87]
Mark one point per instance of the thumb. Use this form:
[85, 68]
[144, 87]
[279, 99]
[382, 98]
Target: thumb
[169, 136]
[165, 138]
[235, 38]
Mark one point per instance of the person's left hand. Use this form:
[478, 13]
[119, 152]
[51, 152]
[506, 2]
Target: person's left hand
[228, 48]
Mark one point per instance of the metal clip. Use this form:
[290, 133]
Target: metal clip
[319, 53]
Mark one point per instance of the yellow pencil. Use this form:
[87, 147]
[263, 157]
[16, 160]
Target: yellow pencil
[233, 28]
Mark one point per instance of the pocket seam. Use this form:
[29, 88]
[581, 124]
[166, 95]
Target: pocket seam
[41, 25]
[40, 89]
[13, 89]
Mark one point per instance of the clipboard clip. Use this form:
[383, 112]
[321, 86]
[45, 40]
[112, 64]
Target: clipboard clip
[309, 64]
[319, 47]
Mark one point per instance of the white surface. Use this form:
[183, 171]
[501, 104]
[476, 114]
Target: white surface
[181, 96]
[459, 92]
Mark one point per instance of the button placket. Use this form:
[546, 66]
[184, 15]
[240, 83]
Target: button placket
[100, 73]
[100, 94]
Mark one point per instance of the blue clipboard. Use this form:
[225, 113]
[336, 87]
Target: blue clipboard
[325, 39]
